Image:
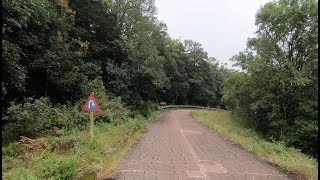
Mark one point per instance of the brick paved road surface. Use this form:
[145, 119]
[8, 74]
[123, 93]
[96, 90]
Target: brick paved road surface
[176, 146]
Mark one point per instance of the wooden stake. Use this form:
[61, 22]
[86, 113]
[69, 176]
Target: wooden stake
[91, 125]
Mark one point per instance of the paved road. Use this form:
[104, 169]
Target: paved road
[176, 146]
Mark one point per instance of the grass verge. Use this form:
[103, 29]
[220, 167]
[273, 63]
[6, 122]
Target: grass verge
[62, 161]
[234, 129]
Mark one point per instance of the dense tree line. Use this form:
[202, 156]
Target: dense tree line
[277, 91]
[55, 48]
[51, 48]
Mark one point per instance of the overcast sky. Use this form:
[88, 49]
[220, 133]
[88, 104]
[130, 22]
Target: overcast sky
[221, 26]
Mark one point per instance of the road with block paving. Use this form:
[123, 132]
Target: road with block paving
[176, 146]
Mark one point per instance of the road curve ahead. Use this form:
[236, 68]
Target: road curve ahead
[176, 146]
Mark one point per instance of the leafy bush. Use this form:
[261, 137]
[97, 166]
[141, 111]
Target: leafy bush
[35, 117]
[303, 135]
[74, 115]
[147, 107]
[39, 116]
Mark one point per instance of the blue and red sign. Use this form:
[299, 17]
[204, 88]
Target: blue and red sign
[91, 104]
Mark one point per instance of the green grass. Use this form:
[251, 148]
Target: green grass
[234, 129]
[102, 155]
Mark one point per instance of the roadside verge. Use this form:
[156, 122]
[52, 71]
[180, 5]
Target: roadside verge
[234, 129]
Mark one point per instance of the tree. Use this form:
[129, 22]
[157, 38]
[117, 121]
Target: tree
[281, 79]
[202, 89]
[38, 50]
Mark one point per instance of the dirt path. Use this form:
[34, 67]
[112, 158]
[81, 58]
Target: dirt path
[178, 147]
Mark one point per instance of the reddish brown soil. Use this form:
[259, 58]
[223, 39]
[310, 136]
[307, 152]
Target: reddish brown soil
[177, 146]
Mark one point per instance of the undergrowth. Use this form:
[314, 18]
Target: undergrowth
[52, 141]
[236, 130]
[73, 154]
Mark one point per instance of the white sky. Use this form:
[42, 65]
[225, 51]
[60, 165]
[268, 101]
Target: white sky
[221, 26]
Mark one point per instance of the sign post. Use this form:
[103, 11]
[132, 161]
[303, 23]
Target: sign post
[91, 105]
[91, 125]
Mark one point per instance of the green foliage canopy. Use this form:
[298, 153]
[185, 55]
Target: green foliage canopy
[278, 89]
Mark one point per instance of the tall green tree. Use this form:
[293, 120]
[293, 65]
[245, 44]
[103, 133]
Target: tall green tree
[40, 58]
[201, 76]
[281, 79]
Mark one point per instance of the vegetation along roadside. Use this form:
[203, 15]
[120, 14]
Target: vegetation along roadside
[237, 131]
[56, 142]
[72, 155]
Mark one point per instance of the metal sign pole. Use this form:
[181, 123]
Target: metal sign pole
[91, 125]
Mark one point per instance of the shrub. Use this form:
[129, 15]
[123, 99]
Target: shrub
[303, 135]
[34, 117]
[147, 107]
